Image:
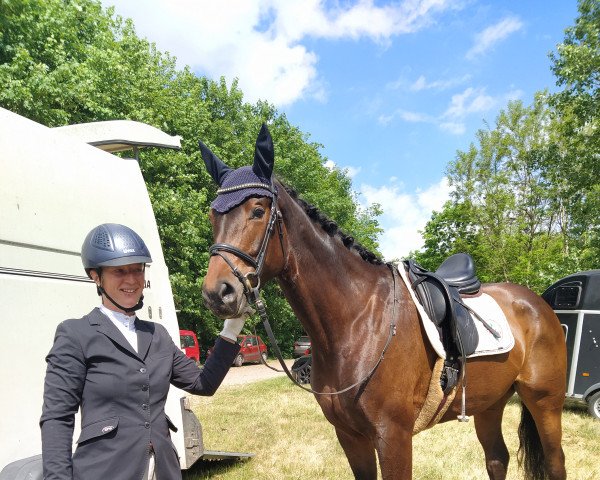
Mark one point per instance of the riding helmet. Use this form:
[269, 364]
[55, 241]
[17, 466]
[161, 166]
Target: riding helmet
[111, 245]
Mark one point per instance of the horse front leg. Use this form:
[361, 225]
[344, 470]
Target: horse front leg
[360, 453]
[394, 448]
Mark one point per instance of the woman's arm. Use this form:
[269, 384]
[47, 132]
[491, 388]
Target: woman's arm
[206, 380]
[63, 386]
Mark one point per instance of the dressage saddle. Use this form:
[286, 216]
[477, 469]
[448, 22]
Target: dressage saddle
[440, 294]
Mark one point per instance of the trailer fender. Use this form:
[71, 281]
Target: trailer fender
[588, 393]
[24, 469]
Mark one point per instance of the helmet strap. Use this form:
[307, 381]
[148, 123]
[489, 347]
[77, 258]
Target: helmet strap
[137, 306]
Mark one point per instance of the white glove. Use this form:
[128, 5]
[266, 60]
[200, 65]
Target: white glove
[233, 326]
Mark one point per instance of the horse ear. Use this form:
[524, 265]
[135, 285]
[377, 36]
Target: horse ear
[264, 154]
[214, 164]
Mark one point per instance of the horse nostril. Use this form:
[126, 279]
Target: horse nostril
[226, 291]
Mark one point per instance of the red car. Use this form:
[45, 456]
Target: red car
[253, 348]
[189, 345]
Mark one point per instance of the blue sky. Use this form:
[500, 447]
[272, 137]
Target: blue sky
[390, 89]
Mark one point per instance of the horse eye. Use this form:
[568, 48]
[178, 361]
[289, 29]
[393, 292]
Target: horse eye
[258, 212]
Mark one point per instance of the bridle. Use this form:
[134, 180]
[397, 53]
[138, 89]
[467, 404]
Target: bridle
[251, 280]
[251, 283]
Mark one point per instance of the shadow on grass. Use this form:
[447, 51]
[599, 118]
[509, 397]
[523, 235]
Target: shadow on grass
[209, 468]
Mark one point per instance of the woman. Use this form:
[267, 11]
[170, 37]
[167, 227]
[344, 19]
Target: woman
[117, 369]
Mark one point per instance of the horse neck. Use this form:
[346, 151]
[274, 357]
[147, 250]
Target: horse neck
[332, 290]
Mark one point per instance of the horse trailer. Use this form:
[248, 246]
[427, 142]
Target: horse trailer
[576, 301]
[54, 188]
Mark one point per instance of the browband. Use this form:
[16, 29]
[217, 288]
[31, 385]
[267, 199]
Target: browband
[244, 186]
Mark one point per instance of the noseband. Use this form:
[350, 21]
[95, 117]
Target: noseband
[251, 280]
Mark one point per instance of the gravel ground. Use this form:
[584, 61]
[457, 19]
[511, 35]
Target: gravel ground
[251, 372]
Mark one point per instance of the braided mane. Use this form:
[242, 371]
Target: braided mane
[332, 228]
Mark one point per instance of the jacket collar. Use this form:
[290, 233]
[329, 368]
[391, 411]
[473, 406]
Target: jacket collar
[145, 331]
[105, 326]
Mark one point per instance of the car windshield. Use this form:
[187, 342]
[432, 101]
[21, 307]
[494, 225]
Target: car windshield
[304, 340]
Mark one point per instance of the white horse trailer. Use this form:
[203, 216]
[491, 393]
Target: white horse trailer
[54, 188]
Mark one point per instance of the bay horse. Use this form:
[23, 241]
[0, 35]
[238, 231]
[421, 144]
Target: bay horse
[346, 299]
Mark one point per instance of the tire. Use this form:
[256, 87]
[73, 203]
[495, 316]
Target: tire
[301, 369]
[239, 360]
[594, 405]
[264, 357]
[303, 375]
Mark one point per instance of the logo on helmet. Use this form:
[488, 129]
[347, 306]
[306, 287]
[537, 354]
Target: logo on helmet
[129, 250]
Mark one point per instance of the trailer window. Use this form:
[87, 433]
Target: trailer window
[567, 296]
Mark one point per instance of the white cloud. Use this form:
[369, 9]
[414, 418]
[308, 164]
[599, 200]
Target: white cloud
[260, 42]
[489, 37]
[350, 171]
[455, 128]
[443, 84]
[471, 100]
[404, 214]
[468, 102]
[411, 117]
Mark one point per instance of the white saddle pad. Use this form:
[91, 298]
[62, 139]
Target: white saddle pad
[487, 308]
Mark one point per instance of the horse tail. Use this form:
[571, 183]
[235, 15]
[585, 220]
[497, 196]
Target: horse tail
[530, 454]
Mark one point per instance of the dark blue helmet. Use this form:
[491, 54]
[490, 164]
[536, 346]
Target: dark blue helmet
[111, 245]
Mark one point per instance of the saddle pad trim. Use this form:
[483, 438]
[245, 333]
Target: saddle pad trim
[430, 329]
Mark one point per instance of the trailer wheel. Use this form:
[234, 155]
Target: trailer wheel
[239, 360]
[594, 405]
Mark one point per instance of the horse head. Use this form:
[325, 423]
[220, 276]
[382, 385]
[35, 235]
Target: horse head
[244, 219]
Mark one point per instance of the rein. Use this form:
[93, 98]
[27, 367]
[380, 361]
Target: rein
[251, 284]
[256, 300]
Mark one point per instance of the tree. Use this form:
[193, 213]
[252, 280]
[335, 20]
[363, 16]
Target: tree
[576, 65]
[503, 207]
[71, 62]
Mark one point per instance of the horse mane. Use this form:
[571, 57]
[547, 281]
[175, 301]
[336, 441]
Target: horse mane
[331, 228]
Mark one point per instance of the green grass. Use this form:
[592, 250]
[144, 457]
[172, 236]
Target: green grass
[286, 430]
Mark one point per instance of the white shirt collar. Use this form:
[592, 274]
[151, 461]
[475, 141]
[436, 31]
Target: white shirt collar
[121, 319]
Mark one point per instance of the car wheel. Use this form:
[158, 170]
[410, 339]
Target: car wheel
[301, 369]
[304, 374]
[594, 405]
[264, 357]
[239, 360]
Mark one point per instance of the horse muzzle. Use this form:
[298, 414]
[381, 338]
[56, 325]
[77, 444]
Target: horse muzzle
[224, 298]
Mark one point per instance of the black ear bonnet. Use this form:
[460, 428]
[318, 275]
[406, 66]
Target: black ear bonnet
[238, 185]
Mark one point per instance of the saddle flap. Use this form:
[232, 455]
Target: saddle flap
[442, 302]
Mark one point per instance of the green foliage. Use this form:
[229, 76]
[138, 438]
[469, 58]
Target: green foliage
[70, 61]
[576, 65]
[526, 198]
[510, 209]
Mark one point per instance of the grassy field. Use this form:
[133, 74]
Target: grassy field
[286, 430]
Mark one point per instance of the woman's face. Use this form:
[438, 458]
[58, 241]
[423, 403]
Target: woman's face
[124, 284]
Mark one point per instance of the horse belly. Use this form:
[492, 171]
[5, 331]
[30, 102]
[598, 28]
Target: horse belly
[488, 380]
